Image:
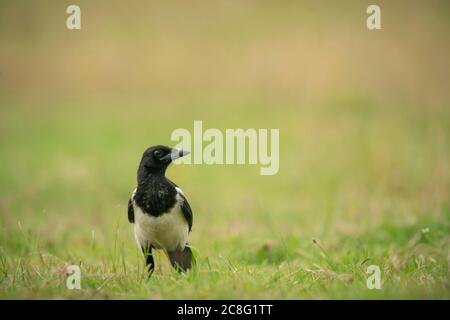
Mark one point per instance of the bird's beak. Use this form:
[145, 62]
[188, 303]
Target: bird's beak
[177, 153]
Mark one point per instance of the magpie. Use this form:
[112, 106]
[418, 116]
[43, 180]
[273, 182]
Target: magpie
[160, 212]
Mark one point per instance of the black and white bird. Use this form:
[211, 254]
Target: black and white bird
[159, 210]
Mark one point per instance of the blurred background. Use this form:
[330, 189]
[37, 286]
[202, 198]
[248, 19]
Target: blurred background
[364, 119]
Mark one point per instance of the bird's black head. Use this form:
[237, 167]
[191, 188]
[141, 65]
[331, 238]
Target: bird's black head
[156, 159]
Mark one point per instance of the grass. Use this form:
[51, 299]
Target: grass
[364, 148]
[309, 232]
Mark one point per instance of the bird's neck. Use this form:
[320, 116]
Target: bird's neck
[155, 194]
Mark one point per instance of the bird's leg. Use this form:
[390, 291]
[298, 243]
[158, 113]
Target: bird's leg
[149, 259]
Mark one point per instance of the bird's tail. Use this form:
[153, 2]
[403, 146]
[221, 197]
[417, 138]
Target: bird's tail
[182, 260]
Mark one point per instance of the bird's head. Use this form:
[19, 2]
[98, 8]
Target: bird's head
[156, 159]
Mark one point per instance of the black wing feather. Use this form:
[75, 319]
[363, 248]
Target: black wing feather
[187, 211]
[185, 207]
[130, 211]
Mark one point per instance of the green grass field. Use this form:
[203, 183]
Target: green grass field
[364, 121]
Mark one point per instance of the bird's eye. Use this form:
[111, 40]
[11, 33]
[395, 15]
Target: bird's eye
[158, 153]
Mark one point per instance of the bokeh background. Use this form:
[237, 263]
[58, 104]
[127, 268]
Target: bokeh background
[364, 119]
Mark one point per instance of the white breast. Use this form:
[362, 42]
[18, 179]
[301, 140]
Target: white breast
[169, 231]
